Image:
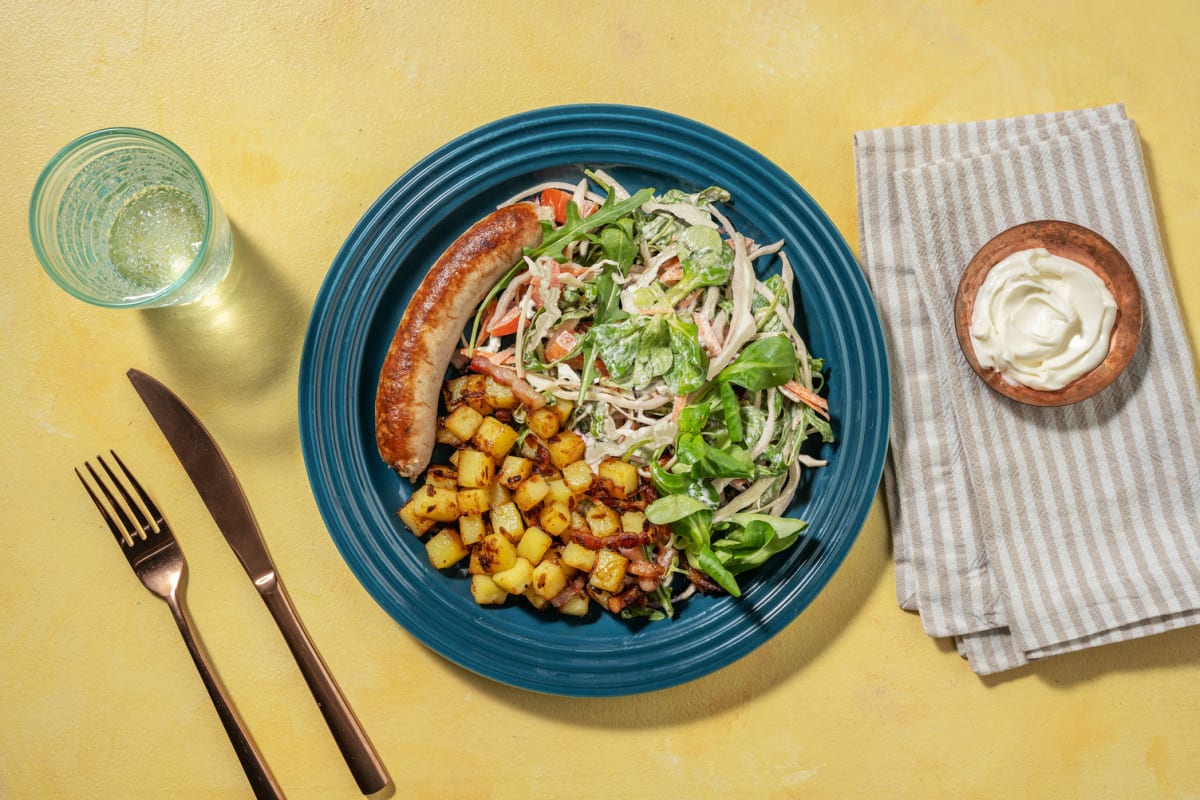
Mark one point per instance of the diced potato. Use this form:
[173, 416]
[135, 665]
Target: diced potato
[579, 557]
[496, 553]
[474, 565]
[469, 390]
[471, 528]
[445, 548]
[446, 437]
[531, 492]
[486, 592]
[602, 520]
[565, 447]
[536, 600]
[454, 456]
[498, 495]
[436, 503]
[560, 492]
[619, 478]
[578, 476]
[476, 470]
[633, 521]
[442, 475]
[515, 579]
[494, 437]
[578, 520]
[548, 579]
[463, 422]
[534, 544]
[609, 572]
[497, 394]
[513, 470]
[506, 519]
[563, 409]
[414, 522]
[473, 501]
[577, 606]
[544, 422]
[554, 517]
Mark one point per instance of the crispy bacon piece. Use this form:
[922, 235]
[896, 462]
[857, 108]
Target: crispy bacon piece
[614, 542]
[703, 583]
[526, 394]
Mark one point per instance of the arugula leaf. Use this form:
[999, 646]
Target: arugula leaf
[616, 242]
[577, 227]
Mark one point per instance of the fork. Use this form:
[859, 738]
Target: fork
[150, 547]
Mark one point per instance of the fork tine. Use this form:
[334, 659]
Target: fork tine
[132, 530]
[156, 516]
[146, 525]
[122, 536]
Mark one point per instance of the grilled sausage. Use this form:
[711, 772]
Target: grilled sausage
[406, 402]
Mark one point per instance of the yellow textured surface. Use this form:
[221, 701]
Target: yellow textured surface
[301, 114]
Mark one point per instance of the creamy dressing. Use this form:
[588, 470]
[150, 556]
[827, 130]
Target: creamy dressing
[1042, 320]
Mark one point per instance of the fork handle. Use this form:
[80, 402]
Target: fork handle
[255, 766]
[365, 765]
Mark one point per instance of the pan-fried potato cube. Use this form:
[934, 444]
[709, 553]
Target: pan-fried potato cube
[494, 437]
[497, 394]
[476, 470]
[536, 600]
[563, 408]
[471, 528]
[442, 475]
[436, 503]
[445, 548]
[577, 606]
[473, 501]
[578, 476]
[486, 592]
[513, 470]
[565, 447]
[609, 572]
[463, 422]
[548, 580]
[531, 492]
[534, 544]
[620, 478]
[602, 520]
[560, 492]
[633, 521]
[515, 579]
[544, 422]
[414, 522]
[579, 557]
[496, 553]
[506, 519]
[470, 390]
[498, 495]
[555, 517]
[444, 436]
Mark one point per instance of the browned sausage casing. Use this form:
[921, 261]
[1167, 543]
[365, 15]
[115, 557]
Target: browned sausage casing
[410, 382]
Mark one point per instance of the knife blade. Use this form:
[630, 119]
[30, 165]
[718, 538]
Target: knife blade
[221, 492]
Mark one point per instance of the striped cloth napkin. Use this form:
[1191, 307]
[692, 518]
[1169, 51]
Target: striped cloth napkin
[1026, 532]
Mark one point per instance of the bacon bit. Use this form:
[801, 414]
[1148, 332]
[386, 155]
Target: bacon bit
[708, 337]
[644, 569]
[615, 542]
[572, 589]
[526, 394]
[703, 583]
[619, 602]
[671, 272]
[800, 394]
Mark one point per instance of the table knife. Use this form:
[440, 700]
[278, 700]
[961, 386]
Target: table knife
[221, 492]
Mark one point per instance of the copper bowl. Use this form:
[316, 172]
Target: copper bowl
[1078, 244]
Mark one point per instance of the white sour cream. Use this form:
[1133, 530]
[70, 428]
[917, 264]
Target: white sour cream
[1042, 320]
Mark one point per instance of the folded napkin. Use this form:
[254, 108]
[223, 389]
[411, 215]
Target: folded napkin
[1025, 532]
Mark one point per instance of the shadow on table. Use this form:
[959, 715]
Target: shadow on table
[756, 674]
[1177, 648]
[233, 354]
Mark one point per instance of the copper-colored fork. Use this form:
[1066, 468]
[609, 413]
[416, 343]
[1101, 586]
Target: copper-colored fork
[148, 544]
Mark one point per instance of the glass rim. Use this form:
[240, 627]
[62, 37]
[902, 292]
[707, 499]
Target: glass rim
[79, 143]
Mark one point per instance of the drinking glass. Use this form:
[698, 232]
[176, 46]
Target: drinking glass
[123, 218]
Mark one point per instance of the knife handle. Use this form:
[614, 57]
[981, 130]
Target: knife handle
[369, 772]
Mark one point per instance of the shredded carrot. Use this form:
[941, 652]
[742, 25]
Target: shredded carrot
[802, 394]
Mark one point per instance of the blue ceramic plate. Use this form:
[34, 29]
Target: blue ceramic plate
[364, 296]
